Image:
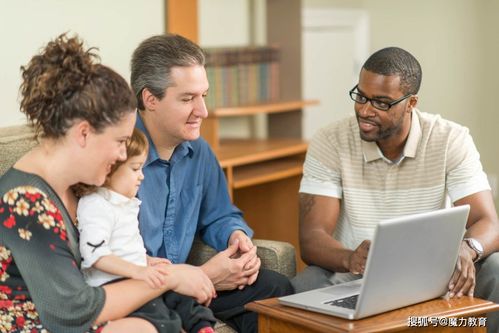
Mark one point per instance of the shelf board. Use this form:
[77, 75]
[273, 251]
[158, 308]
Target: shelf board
[255, 174]
[264, 108]
[236, 152]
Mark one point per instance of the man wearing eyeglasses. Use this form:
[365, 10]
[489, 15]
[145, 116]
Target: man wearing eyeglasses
[390, 160]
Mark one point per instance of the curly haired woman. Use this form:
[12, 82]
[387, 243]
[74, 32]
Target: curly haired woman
[83, 113]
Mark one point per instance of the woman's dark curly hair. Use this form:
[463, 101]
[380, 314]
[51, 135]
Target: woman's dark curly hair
[65, 83]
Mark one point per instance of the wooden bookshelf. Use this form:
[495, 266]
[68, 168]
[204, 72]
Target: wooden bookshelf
[263, 176]
[235, 152]
[246, 110]
[211, 126]
[258, 161]
[250, 175]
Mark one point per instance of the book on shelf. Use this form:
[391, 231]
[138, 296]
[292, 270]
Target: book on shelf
[242, 75]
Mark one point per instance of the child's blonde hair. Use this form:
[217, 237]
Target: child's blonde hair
[136, 146]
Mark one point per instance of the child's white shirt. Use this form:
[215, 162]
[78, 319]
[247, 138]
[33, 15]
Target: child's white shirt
[108, 224]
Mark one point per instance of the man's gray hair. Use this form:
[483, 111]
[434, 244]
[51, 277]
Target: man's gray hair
[154, 59]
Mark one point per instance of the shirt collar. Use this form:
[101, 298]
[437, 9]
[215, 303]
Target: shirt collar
[182, 150]
[372, 152]
[117, 198]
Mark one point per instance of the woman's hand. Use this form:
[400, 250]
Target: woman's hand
[190, 281]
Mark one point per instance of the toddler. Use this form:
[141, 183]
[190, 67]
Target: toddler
[112, 247]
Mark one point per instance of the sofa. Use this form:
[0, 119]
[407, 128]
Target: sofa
[275, 255]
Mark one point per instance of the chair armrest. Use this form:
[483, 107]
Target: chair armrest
[275, 255]
[15, 141]
[200, 252]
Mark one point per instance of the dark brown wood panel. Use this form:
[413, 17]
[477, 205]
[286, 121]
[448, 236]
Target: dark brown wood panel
[271, 209]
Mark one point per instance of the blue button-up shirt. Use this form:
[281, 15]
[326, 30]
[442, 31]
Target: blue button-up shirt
[182, 197]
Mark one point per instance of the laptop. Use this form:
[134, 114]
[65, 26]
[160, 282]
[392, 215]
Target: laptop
[411, 260]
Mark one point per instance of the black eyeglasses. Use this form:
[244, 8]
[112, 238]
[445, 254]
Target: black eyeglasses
[380, 105]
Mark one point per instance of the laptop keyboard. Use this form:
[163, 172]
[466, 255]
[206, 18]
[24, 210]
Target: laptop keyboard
[347, 302]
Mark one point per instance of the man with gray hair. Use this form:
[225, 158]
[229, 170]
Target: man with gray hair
[388, 160]
[184, 192]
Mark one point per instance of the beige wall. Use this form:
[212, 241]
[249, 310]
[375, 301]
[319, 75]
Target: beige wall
[457, 45]
[443, 36]
[115, 27]
[487, 114]
[455, 40]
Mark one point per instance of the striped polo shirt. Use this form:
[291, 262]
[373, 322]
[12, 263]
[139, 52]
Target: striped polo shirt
[439, 161]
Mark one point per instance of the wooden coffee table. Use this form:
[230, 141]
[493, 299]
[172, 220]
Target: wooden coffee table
[456, 315]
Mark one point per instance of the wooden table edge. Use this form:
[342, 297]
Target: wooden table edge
[272, 309]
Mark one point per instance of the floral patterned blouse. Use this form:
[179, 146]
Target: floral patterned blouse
[41, 287]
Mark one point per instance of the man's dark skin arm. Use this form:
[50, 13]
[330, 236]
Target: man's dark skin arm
[318, 219]
[483, 225]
